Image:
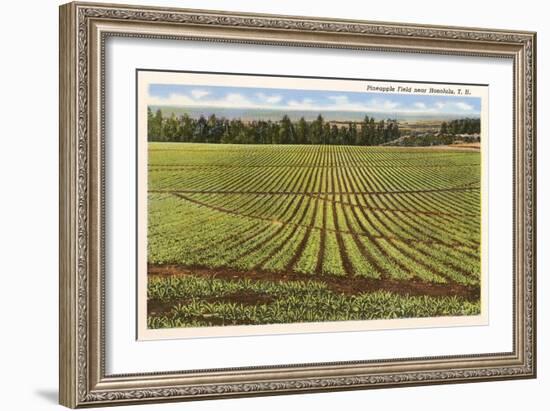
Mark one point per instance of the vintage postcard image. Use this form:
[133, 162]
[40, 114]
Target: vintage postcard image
[273, 204]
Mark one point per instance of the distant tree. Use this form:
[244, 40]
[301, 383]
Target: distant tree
[380, 128]
[302, 131]
[352, 134]
[371, 132]
[326, 133]
[391, 130]
[461, 126]
[364, 134]
[170, 128]
[154, 125]
[186, 128]
[396, 133]
[200, 131]
[150, 123]
[227, 135]
[333, 135]
[316, 130]
[260, 131]
[285, 131]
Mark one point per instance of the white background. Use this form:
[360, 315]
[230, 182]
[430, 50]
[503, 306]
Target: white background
[28, 222]
[125, 355]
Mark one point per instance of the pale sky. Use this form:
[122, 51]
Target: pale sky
[314, 100]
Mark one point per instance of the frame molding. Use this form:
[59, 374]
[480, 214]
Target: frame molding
[84, 27]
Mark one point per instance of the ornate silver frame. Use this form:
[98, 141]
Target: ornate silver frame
[83, 30]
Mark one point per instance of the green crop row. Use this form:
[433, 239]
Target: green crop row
[291, 302]
[365, 211]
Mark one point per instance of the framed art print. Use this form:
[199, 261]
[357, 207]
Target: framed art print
[338, 204]
[271, 204]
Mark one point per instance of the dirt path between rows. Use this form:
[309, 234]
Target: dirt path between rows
[349, 285]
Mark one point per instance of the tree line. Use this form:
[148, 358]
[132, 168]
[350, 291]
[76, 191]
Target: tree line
[183, 128]
[461, 126]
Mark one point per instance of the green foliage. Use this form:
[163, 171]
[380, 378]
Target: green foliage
[462, 126]
[206, 208]
[465, 130]
[171, 128]
[322, 211]
[311, 301]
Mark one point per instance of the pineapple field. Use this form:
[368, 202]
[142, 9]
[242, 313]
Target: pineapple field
[264, 234]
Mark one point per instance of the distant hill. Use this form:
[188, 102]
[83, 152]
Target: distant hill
[433, 139]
